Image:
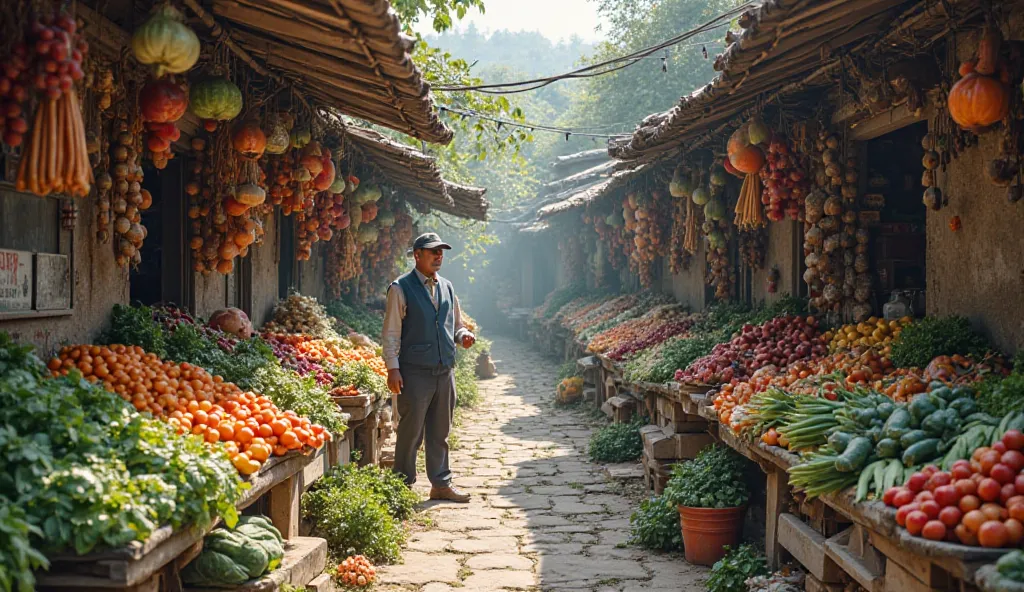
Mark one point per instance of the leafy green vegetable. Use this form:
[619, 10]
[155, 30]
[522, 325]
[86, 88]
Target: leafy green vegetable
[998, 396]
[617, 442]
[655, 525]
[81, 469]
[359, 319]
[922, 341]
[659, 364]
[133, 325]
[712, 480]
[300, 394]
[559, 298]
[186, 344]
[354, 520]
[387, 485]
[568, 370]
[730, 573]
[362, 376]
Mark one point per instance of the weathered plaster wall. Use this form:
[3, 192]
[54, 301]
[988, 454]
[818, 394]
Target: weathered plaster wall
[264, 274]
[211, 293]
[784, 243]
[688, 287]
[98, 285]
[978, 272]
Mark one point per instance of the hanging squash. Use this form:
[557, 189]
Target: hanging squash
[250, 194]
[747, 160]
[249, 140]
[215, 98]
[165, 42]
[162, 101]
[300, 136]
[978, 101]
[277, 135]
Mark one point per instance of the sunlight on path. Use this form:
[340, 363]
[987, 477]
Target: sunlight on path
[542, 516]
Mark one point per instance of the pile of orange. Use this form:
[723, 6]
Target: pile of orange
[356, 571]
[330, 351]
[251, 427]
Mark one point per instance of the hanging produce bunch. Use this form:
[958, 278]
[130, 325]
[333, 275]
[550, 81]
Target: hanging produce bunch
[981, 98]
[214, 98]
[746, 158]
[165, 42]
[786, 182]
[55, 159]
[129, 199]
[161, 104]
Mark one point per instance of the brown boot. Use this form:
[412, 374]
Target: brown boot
[450, 494]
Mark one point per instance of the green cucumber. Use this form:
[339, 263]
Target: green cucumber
[912, 437]
[921, 452]
[856, 454]
[887, 448]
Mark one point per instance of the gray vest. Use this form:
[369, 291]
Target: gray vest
[428, 334]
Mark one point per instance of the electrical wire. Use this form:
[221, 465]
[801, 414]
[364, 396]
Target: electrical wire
[530, 126]
[601, 68]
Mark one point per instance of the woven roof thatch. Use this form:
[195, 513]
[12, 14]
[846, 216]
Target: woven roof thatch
[347, 54]
[416, 176]
[588, 195]
[787, 48]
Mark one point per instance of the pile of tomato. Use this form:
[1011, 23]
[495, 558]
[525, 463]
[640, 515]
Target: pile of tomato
[251, 427]
[976, 502]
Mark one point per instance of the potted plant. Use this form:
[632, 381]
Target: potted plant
[711, 497]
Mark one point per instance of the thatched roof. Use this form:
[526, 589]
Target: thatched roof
[350, 55]
[415, 175]
[585, 196]
[789, 48]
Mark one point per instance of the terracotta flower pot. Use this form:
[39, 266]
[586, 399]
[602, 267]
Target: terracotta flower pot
[707, 530]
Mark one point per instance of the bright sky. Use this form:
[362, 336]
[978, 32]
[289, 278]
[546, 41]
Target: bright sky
[555, 19]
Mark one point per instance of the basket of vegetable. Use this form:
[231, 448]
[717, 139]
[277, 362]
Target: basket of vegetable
[711, 496]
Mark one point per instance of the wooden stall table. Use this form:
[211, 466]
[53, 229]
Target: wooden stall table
[153, 565]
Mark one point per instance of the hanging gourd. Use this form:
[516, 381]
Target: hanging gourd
[982, 97]
[215, 98]
[249, 140]
[300, 136]
[161, 103]
[277, 134]
[681, 185]
[165, 42]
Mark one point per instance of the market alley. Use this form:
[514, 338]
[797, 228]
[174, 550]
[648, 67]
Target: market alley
[542, 516]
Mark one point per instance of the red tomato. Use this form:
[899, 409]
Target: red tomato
[946, 495]
[966, 487]
[1015, 529]
[1013, 459]
[1017, 512]
[901, 514]
[890, 495]
[989, 460]
[924, 496]
[999, 447]
[951, 516]
[937, 480]
[1002, 473]
[916, 521]
[994, 512]
[979, 452]
[1013, 501]
[1005, 493]
[930, 470]
[934, 530]
[965, 535]
[916, 482]
[961, 471]
[988, 490]
[931, 508]
[973, 520]
[902, 497]
[1018, 483]
[968, 503]
[1013, 440]
[993, 534]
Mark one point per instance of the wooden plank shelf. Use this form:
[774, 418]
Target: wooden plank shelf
[137, 565]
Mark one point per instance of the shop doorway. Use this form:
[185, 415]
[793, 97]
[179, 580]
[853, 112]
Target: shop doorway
[286, 274]
[161, 276]
[897, 249]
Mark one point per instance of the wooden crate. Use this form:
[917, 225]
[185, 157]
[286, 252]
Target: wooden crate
[656, 474]
[673, 419]
[620, 408]
[660, 446]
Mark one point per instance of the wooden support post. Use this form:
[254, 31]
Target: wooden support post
[284, 506]
[775, 505]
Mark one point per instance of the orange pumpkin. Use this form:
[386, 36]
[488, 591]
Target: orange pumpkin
[748, 159]
[249, 140]
[739, 140]
[978, 101]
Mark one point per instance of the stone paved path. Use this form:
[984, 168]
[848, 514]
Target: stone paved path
[542, 516]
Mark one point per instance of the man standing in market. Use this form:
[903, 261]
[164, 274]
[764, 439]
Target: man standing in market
[422, 324]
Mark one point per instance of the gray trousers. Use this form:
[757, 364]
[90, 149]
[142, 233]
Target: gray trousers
[426, 407]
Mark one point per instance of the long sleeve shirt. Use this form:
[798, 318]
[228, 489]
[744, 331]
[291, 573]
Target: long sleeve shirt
[394, 314]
